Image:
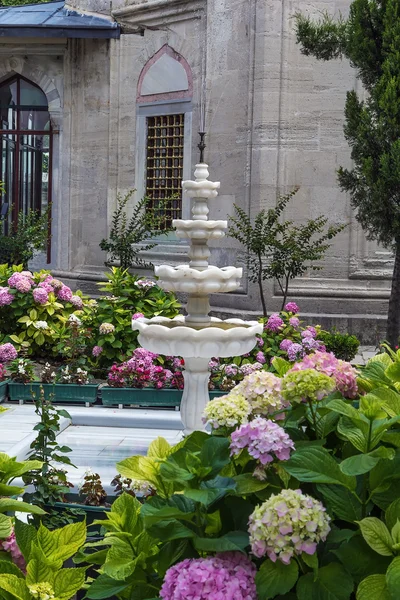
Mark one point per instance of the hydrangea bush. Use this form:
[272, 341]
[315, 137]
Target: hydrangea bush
[311, 500]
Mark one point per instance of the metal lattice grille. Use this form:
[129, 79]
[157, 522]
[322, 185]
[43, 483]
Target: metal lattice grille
[164, 167]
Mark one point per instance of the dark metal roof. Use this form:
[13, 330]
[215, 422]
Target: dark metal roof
[53, 19]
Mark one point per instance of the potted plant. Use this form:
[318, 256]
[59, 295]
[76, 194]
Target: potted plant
[146, 379]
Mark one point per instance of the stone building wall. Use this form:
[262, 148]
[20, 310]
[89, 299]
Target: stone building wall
[274, 119]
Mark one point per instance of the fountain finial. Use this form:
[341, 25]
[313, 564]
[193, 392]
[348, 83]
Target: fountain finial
[202, 145]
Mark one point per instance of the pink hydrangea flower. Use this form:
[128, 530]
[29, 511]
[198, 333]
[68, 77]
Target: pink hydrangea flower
[264, 440]
[137, 315]
[7, 352]
[14, 278]
[40, 295]
[64, 293]
[260, 342]
[226, 576]
[274, 323]
[6, 297]
[343, 373]
[10, 545]
[28, 274]
[45, 286]
[23, 285]
[76, 301]
[97, 350]
[292, 307]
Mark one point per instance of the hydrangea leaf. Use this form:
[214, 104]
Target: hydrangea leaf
[275, 578]
[377, 535]
[332, 583]
[316, 465]
[393, 578]
[363, 463]
[373, 588]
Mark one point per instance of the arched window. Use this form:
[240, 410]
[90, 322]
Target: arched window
[164, 122]
[26, 142]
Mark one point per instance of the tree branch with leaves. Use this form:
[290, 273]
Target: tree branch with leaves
[278, 249]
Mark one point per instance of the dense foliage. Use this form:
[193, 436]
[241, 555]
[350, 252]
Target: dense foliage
[369, 38]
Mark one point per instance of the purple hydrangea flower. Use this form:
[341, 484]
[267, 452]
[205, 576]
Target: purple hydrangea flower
[309, 332]
[7, 352]
[5, 297]
[40, 295]
[226, 576]
[263, 439]
[285, 344]
[14, 278]
[292, 307]
[295, 351]
[97, 350]
[260, 342]
[260, 357]
[274, 323]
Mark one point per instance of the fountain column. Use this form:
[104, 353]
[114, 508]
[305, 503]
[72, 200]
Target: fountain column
[197, 337]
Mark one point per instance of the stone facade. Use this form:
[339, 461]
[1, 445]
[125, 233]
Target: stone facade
[274, 119]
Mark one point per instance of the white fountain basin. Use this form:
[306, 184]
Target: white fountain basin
[199, 230]
[173, 337]
[211, 280]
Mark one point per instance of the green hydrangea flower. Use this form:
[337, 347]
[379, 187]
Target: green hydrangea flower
[300, 386]
[41, 591]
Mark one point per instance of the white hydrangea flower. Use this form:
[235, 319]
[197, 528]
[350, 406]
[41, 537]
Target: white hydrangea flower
[41, 325]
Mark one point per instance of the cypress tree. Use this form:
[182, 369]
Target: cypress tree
[370, 40]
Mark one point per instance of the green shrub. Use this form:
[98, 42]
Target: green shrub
[30, 236]
[35, 310]
[343, 345]
[126, 295]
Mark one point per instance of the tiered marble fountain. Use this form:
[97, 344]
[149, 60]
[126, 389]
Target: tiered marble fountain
[197, 337]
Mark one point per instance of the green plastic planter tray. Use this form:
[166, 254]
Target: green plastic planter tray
[68, 392]
[3, 390]
[111, 396]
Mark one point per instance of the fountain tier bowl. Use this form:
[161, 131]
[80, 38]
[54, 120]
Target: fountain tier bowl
[211, 280]
[199, 230]
[176, 337]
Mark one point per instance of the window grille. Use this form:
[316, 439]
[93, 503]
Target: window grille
[164, 167]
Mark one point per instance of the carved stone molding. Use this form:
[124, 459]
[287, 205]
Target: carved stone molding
[157, 13]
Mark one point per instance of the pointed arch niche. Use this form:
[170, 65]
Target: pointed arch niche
[164, 134]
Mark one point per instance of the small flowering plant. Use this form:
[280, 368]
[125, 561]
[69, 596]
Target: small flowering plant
[144, 370]
[21, 370]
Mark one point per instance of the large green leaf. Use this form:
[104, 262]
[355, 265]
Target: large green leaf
[389, 398]
[373, 588]
[69, 581]
[316, 465]
[153, 515]
[383, 474]
[8, 567]
[25, 535]
[393, 578]
[377, 535]
[246, 484]
[215, 453]
[392, 514]
[359, 559]
[275, 578]
[11, 505]
[232, 541]
[363, 463]
[211, 491]
[15, 586]
[333, 583]
[61, 544]
[104, 587]
[341, 502]
[159, 449]
[5, 526]
[10, 490]
[170, 529]
[38, 571]
[356, 436]
[142, 468]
